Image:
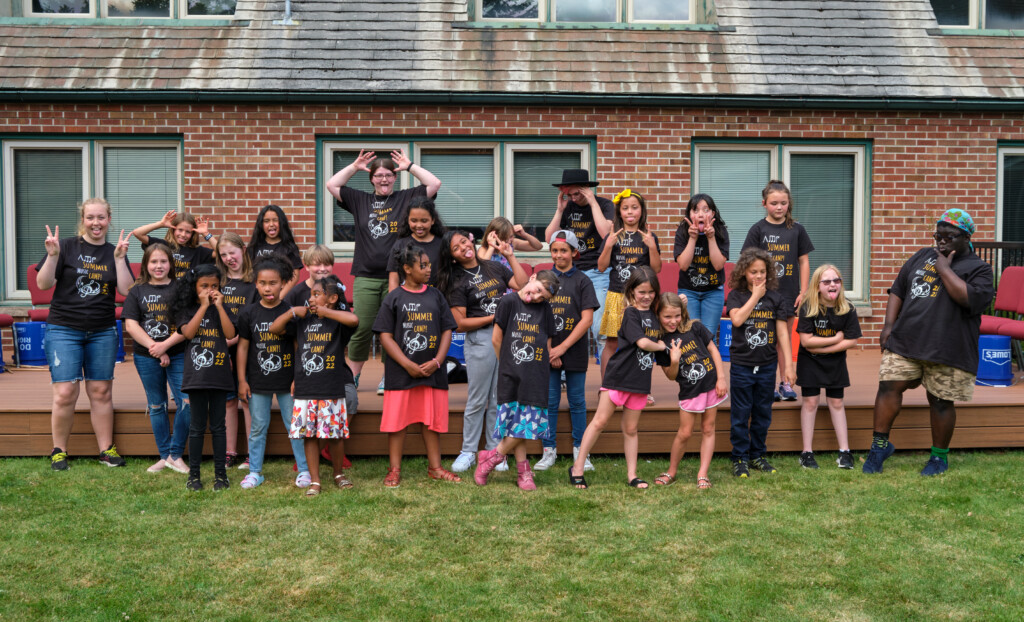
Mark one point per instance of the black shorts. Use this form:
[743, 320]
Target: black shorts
[835, 393]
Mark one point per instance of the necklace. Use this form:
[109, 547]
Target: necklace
[475, 273]
[377, 203]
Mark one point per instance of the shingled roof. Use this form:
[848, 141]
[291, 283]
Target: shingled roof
[867, 49]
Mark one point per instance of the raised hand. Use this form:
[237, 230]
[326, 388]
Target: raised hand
[505, 248]
[216, 298]
[362, 161]
[758, 290]
[709, 230]
[401, 160]
[648, 239]
[588, 193]
[518, 230]
[122, 245]
[563, 200]
[202, 226]
[52, 241]
[691, 229]
[168, 220]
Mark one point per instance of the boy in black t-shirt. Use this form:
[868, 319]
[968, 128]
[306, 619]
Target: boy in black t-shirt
[930, 336]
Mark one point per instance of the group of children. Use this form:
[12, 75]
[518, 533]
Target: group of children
[225, 324]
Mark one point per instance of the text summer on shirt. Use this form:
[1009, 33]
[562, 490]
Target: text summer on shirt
[479, 289]
[826, 371]
[575, 295]
[86, 284]
[628, 253]
[207, 363]
[697, 372]
[753, 343]
[320, 369]
[416, 321]
[268, 363]
[523, 366]
[377, 220]
[237, 293]
[149, 305]
[630, 367]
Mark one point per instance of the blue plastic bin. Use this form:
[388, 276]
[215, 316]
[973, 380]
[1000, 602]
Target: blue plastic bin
[30, 343]
[725, 338]
[994, 361]
[456, 349]
[120, 341]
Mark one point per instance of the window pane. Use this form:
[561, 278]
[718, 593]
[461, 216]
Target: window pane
[466, 198]
[952, 12]
[586, 11]
[661, 10]
[141, 185]
[533, 196]
[734, 179]
[823, 195]
[211, 7]
[343, 225]
[138, 8]
[47, 191]
[1013, 198]
[76, 7]
[510, 9]
[1004, 14]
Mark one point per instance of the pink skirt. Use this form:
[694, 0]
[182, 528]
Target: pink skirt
[425, 405]
[702, 402]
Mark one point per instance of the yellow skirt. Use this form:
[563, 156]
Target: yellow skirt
[614, 306]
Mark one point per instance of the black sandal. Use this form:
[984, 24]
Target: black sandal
[636, 483]
[577, 481]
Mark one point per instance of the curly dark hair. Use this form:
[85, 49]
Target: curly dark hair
[185, 288]
[406, 255]
[275, 263]
[738, 280]
[332, 286]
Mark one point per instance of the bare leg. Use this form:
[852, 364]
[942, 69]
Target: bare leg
[337, 454]
[356, 367]
[312, 447]
[838, 412]
[396, 445]
[510, 445]
[679, 442]
[101, 405]
[943, 416]
[605, 409]
[231, 426]
[606, 355]
[433, 442]
[888, 402]
[778, 348]
[631, 444]
[62, 417]
[707, 440]
[808, 415]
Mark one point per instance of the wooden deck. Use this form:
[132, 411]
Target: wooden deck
[995, 418]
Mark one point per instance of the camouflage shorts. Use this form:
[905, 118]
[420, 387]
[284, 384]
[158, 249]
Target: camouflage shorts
[942, 381]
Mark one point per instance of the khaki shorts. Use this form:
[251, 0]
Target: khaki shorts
[942, 381]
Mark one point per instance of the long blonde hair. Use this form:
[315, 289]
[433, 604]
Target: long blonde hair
[235, 240]
[815, 305]
[672, 299]
[86, 203]
[178, 219]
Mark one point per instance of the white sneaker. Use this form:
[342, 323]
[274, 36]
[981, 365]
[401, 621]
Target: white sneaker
[380, 387]
[502, 466]
[465, 460]
[587, 466]
[547, 460]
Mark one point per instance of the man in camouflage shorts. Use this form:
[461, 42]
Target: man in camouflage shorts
[930, 337]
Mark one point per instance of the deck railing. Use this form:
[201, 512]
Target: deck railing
[1000, 255]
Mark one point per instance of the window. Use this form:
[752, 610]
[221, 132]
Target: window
[480, 180]
[44, 181]
[984, 14]
[1011, 195]
[828, 187]
[586, 11]
[129, 8]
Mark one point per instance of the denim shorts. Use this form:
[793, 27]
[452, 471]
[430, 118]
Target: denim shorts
[70, 352]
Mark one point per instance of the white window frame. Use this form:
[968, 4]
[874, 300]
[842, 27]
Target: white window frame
[692, 11]
[617, 20]
[857, 289]
[509, 178]
[975, 12]
[383, 149]
[98, 9]
[1001, 154]
[542, 12]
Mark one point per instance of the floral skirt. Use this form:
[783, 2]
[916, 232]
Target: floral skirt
[319, 419]
[522, 421]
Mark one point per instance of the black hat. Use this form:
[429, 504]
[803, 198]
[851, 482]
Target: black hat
[576, 177]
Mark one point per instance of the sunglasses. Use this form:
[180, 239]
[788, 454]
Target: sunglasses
[828, 282]
[948, 237]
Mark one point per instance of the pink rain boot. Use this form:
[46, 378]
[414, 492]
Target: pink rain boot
[525, 480]
[486, 460]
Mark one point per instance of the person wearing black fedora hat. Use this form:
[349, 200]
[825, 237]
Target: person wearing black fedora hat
[590, 217]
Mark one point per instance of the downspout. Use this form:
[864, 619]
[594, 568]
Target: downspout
[287, 19]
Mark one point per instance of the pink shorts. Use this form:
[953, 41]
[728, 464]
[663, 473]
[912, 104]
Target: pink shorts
[702, 402]
[632, 401]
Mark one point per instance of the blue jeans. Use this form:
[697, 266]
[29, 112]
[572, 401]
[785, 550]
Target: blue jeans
[155, 380]
[70, 352]
[259, 410]
[706, 307]
[753, 392]
[576, 392]
[600, 281]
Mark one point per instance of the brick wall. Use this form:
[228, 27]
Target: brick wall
[239, 158]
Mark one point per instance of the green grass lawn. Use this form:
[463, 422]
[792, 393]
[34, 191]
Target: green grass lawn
[105, 544]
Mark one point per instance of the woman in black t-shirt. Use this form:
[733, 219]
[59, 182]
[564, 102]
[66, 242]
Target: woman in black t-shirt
[81, 336]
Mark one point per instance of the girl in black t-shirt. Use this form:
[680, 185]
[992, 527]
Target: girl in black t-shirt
[628, 379]
[694, 363]
[828, 327]
[701, 249]
[415, 328]
[272, 234]
[523, 326]
[239, 290]
[159, 353]
[422, 226]
[186, 235]
[199, 312]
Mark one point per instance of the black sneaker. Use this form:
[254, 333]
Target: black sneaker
[807, 460]
[762, 465]
[230, 460]
[221, 483]
[111, 458]
[58, 459]
[739, 468]
[845, 460]
[194, 484]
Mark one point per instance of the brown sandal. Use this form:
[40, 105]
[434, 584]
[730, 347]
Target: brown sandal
[312, 492]
[665, 480]
[703, 483]
[393, 478]
[342, 481]
[443, 474]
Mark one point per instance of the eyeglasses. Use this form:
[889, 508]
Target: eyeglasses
[948, 237]
[831, 281]
[384, 176]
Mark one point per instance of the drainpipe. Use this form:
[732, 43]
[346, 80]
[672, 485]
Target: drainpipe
[287, 19]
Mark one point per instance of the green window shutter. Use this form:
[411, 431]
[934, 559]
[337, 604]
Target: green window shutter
[734, 179]
[466, 198]
[1013, 198]
[47, 191]
[533, 196]
[823, 202]
[141, 185]
[359, 181]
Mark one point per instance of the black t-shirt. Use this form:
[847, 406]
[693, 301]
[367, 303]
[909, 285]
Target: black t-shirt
[786, 246]
[580, 220]
[630, 367]
[266, 249]
[298, 296]
[931, 326]
[207, 362]
[523, 369]
[825, 370]
[376, 224]
[320, 369]
[628, 254]
[416, 320]
[268, 364]
[697, 372]
[575, 295]
[431, 248]
[149, 305]
[237, 293]
[753, 344]
[480, 289]
[185, 257]
[701, 276]
[86, 275]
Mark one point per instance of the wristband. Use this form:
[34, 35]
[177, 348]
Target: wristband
[208, 237]
[294, 317]
[438, 363]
